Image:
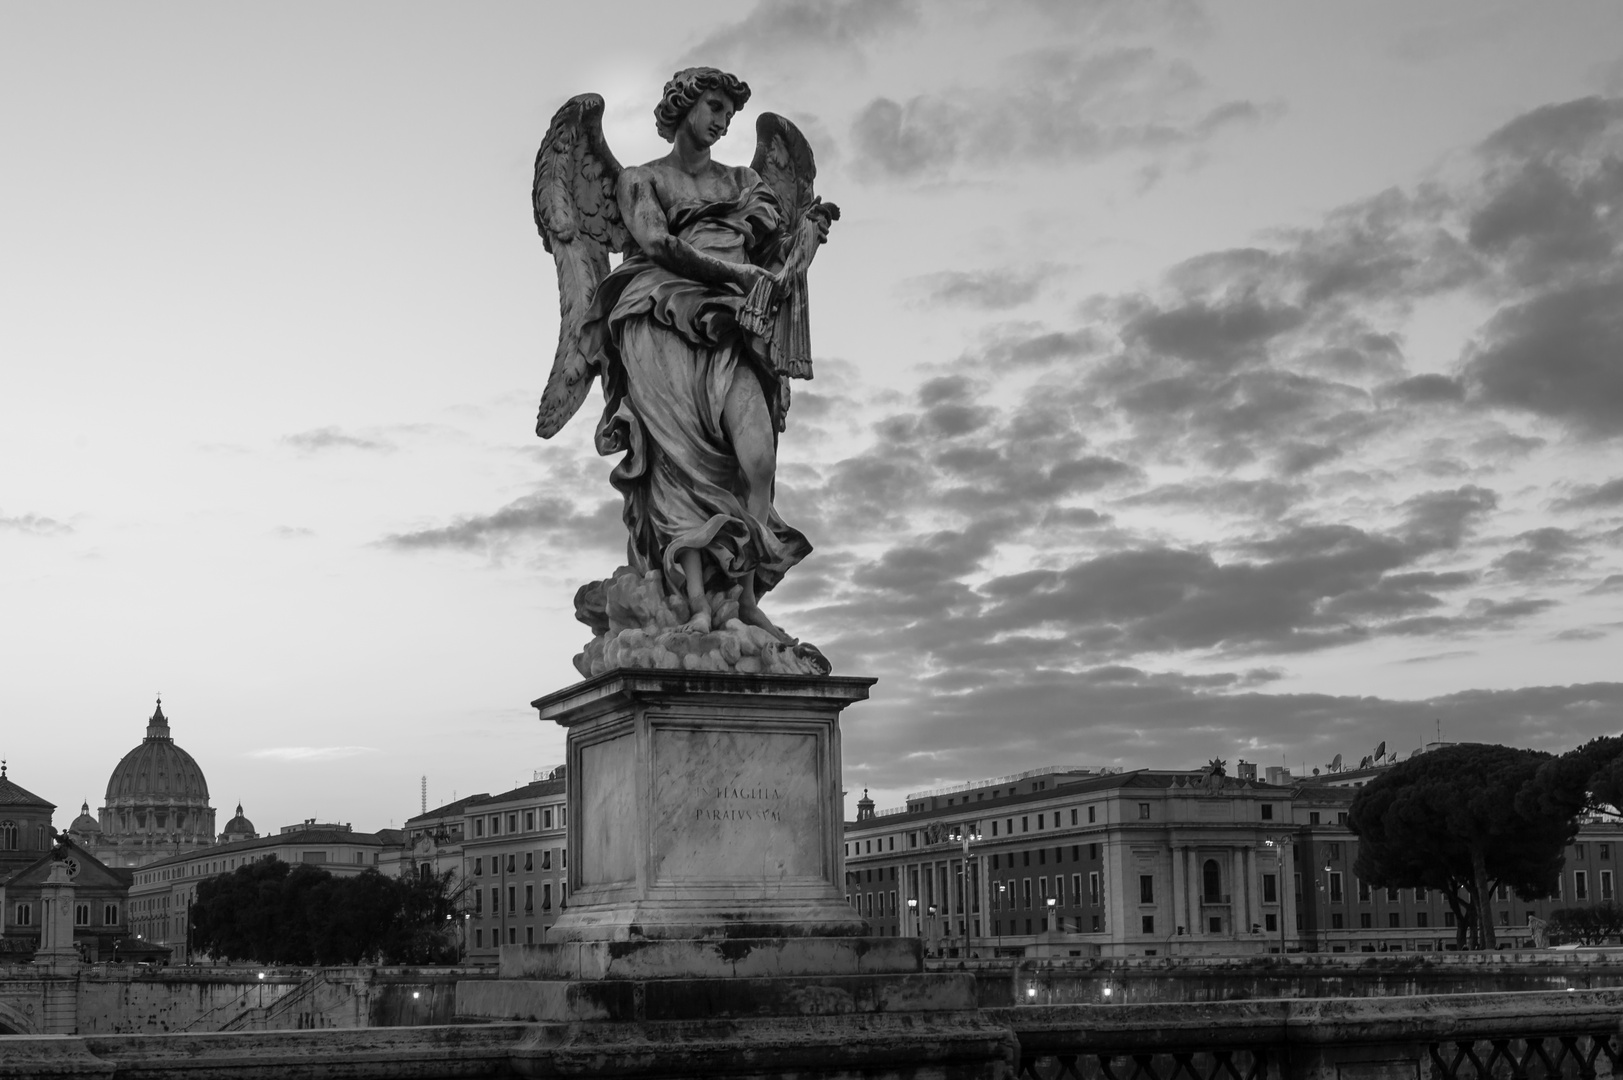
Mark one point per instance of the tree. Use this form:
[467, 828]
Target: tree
[1451, 820]
[272, 913]
[1586, 780]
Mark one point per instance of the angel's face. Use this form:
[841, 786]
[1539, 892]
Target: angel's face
[710, 117]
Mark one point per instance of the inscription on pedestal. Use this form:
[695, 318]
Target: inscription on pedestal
[736, 806]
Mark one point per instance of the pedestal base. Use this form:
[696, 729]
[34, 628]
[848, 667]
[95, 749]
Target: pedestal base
[704, 806]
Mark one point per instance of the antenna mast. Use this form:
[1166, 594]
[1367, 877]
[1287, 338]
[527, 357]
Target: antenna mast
[425, 793]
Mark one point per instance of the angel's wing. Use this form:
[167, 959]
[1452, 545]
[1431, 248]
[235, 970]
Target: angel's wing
[579, 220]
[781, 316]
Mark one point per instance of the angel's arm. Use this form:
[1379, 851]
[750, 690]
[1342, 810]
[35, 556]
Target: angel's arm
[645, 217]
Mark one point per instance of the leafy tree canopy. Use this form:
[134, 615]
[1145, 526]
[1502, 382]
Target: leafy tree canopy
[1451, 820]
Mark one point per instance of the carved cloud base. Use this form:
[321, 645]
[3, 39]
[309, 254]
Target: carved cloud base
[704, 805]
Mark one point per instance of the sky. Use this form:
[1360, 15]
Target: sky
[1192, 381]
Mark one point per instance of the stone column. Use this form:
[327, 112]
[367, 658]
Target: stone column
[57, 961]
[1180, 898]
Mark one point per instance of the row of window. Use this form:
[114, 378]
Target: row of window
[512, 899]
[529, 861]
[23, 914]
[1580, 888]
[10, 836]
[548, 814]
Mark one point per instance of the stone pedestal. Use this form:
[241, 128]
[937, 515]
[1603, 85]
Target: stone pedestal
[707, 931]
[704, 805]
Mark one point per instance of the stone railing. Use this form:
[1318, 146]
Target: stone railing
[1525, 1036]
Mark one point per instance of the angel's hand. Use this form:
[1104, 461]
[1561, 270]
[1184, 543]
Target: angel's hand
[749, 275]
[822, 229]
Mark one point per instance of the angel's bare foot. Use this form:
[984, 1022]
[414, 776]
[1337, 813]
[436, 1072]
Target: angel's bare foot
[700, 623]
[752, 615]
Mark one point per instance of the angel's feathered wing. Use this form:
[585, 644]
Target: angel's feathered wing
[579, 220]
[784, 160]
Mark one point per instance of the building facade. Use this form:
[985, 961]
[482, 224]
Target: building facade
[100, 903]
[509, 854]
[1077, 862]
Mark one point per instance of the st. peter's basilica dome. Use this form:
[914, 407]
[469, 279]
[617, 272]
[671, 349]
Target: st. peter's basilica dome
[157, 801]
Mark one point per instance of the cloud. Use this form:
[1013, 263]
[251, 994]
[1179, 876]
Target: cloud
[332, 438]
[310, 753]
[1559, 355]
[34, 525]
[540, 518]
[1544, 553]
[292, 532]
[1587, 496]
[804, 30]
[987, 290]
[1051, 105]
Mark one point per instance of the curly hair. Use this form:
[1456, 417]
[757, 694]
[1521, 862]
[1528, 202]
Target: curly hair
[684, 90]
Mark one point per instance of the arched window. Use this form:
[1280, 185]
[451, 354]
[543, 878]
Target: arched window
[8, 836]
[1211, 880]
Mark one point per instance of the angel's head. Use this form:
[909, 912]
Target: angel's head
[691, 87]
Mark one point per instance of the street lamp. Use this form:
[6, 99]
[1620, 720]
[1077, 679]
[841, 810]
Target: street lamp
[969, 833]
[998, 923]
[1052, 902]
[913, 913]
[931, 912]
[1279, 843]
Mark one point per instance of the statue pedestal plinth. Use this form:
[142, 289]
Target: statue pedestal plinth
[704, 805]
[707, 931]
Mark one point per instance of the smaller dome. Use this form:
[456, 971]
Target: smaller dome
[239, 828]
[84, 824]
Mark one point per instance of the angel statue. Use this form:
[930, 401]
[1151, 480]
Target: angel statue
[695, 335]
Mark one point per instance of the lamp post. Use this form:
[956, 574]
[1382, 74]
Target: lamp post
[998, 924]
[1279, 844]
[931, 912]
[969, 834]
[1053, 902]
[913, 912]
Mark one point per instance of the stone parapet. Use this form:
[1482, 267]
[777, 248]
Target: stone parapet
[721, 959]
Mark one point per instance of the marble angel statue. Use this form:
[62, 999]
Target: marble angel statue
[695, 335]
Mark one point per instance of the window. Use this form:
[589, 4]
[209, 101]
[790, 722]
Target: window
[1504, 892]
[910, 835]
[1363, 891]
[1215, 924]
[109, 914]
[1025, 824]
[1580, 884]
[1025, 892]
[1270, 889]
[1146, 888]
[1336, 922]
[1335, 851]
[1420, 896]
[1025, 858]
[1093, 851]
[313, 856]
[479, 868]
[495, 824]
[1606, 851]
[1091, 817]
[1211, 881]
[495, 900]
[1366, 920]
[529, 821]
[1420, 919]
[1073, 815]
[478, 901]
[1578, 851]
[1076, 890]
[1042, 853]
[1394, 919]
[546, 896]
[1143, 811]
[1270, 921]
[1093, 888]
[1335, 887]
[1040, 821]
[529, 935]
[1391, 896]
[1313, 817]
[1341, 817]
[1267, 811]
[1605, 884]
[478, 938]
[8, 837]
[512, 864]
[546, 817]
[1096, 924]
[546, 858]
[529, 898]
[1148, 923]
[529, 860]
[81, 914]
